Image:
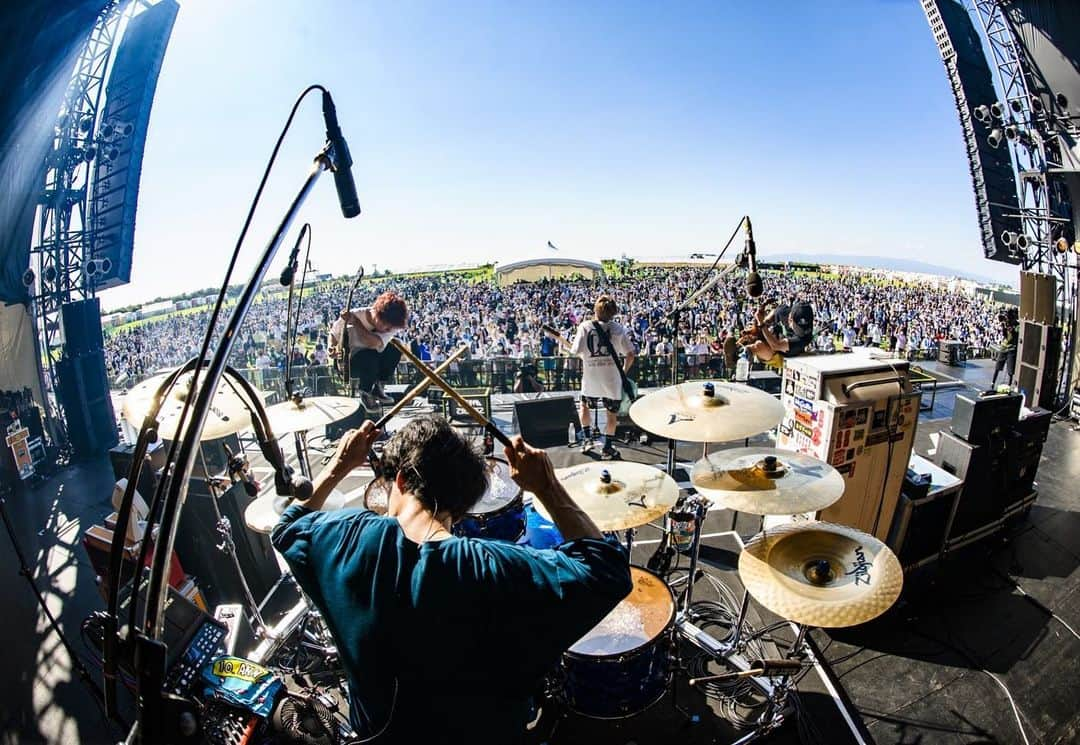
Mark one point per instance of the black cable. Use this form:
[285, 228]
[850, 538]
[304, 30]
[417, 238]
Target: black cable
[292, 321]
[170, 459]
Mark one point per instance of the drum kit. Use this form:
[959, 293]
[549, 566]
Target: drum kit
[812, 574]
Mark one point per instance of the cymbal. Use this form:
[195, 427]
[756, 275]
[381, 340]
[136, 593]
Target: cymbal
[767, 481]
[312, 412]
[617, 495]
[821, 574]
[262, 514]
[707, 411]
[228, 412]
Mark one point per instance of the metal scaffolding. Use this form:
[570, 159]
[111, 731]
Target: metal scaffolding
[1034, 131]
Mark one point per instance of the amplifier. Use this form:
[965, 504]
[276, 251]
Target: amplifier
[927, 500]
[765, 380]
[978, 418]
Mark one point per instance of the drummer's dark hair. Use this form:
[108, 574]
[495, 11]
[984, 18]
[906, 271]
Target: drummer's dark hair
[439, 465]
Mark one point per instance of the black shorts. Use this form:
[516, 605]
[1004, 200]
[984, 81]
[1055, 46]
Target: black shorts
[611, 404]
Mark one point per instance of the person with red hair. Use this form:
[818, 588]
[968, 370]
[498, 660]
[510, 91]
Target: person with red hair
[372, 358]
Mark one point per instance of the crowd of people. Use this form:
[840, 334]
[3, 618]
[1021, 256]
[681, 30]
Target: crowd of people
[850, 308]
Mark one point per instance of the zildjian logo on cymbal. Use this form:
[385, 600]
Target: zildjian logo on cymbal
[680, 418]
[861, 570]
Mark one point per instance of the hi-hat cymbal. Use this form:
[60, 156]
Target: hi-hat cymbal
[228, 412]
[821, 574]
[262, 514]
[707, 411]
[617, 495]
[313, 412]
[767, 481]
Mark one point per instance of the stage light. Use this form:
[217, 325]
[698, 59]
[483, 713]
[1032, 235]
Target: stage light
[106, 265]
[997, 110]
[85, 124]
[1036, 104]
[90, 153]
[1022, 241]
[994, 138]
[112, 154]
[28, 278]
[982, 113]
[1061, 100]
[1076, 247]
[1008, 237]
[1016, 106]
[1061, 245]
[50, 274]
[127, 129]
[107, 130]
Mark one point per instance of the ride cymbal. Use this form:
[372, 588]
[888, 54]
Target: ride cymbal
[228, 412]
[707, 411]
[767, 481]
[821, 574]
[288, 416]
[262, 514]
[617, 495]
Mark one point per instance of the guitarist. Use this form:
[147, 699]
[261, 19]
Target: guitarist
[784, 332]
[372, 359]
[601, 379]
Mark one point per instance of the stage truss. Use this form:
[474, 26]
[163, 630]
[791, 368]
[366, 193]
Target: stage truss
[1045, 203]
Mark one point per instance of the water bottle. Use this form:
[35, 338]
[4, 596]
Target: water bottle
[571, 435]
[742, 370]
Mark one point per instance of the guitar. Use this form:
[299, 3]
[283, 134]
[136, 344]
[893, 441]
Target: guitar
[554, 333]
[341, 362]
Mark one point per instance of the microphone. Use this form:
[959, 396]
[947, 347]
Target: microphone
[289, 271]
[340, 160]
[238, 471]
[754, 288]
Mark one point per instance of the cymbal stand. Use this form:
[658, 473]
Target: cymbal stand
[300, 444]
[776, 706]
[228, 546]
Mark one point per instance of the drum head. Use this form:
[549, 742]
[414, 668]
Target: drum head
[501, 489]
[377, 496]
[639, 618]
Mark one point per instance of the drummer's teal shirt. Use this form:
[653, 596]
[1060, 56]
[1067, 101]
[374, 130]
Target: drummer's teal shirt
[446, 640]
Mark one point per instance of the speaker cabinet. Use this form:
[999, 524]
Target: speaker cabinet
[81, 322]
[543, 422]
[1038, 355]
[1037, 295]
[84, 395]
[977, 418]
[985, 493]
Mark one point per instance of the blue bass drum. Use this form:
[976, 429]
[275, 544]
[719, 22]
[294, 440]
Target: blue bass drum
[623, 665]
[499, 515]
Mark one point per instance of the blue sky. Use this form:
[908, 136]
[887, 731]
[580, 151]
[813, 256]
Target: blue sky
[481, 130]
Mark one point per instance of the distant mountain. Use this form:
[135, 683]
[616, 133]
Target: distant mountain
[885, 262]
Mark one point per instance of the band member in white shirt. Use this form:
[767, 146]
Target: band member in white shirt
[372, 359]
[600, 379]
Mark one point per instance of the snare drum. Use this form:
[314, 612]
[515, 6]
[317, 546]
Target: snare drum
[499, 515]
[623, 665]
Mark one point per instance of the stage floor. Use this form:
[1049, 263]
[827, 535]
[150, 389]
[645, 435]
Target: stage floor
[928, 671]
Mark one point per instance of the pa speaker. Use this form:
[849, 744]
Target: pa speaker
[82, 326]
[84, 395]
[543, 422]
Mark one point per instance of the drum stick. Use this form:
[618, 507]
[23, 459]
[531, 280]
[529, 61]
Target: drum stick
[434, 378]
[419, 388]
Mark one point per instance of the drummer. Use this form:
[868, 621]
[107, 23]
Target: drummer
[372, 358]
[443, 638]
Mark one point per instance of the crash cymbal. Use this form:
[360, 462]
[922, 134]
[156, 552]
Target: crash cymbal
[707, 411]
[821, 574]
[767, 481]
[617, 495]
[317, 411]
[228, 411]
[262, 514]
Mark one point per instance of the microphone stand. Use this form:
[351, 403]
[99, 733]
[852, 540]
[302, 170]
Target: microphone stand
[658, 559]
[160, 715]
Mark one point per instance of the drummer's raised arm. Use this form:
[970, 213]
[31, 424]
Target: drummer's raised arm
[532, 470]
